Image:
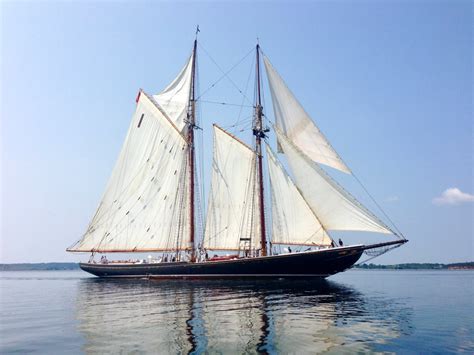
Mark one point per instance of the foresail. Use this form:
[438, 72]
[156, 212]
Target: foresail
[296, 124]
[232, 197]
[174, 99]
[293, 220]
[144, 206]
[334, 207]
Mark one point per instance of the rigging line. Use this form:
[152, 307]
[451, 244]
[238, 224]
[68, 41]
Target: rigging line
[335, 184]
[224, 103]
[139, 173]
[376, 256]
[200, 160]
[109, 214]
[243, 122]
[320, 131]
[246, 89]
[398, 232]
[225, 74]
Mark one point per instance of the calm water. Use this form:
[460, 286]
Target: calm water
[358, 311]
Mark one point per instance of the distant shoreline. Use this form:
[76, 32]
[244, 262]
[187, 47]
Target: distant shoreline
[418, 266]
[39, 266]
[408, 266]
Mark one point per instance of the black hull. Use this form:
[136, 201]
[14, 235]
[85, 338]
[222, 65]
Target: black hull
[312, 264]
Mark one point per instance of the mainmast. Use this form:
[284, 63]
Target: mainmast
[191, 126]
[259, 133]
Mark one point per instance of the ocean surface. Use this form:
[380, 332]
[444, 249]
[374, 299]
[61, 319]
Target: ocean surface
[59, 312]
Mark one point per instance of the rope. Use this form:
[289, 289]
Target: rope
[225, 74]
[246, 89]
[398, 233]
[386, 250]
[224, 103]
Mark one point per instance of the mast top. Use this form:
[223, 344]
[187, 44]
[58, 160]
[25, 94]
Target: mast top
[197, 31]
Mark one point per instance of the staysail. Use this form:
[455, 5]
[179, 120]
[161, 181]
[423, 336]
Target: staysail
[335, 208]
[232, 197]
[293, 220]
[296, 124]
[145, 206]
[174, 99]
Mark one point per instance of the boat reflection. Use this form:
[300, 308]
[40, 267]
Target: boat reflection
[227, 316]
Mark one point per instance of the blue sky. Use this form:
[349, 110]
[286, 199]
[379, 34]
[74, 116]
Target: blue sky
[388, 82]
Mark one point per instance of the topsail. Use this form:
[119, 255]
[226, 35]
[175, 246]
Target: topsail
[174, 99]
[295, 123]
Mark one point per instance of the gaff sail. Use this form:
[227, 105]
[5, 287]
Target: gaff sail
[232, 201]
[145, 205]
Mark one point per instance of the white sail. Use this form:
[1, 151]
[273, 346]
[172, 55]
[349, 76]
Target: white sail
[174, 99]
[144, 207]
[296, 124]
[334, 207]
[293, 220]
[232, 197]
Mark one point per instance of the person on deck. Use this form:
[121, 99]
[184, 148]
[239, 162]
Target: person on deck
[341, 243]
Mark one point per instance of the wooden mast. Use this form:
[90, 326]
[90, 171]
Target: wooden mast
[191, 158]
[259, 133]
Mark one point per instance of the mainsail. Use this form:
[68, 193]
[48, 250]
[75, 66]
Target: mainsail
[174, 99]
[334, 207]
[145, 204]
[230, 214]
[293, 220]
[295, 123]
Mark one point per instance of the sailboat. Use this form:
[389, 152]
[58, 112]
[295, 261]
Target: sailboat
[149, 204]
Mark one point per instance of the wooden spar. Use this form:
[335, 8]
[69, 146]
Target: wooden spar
[380, 245]
[191, 126]
[259, 133]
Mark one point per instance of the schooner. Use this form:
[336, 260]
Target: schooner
[149, 204]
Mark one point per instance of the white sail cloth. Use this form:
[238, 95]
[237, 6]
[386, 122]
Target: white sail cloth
[293, 220]
[144, 207]
[296, 124]
[174, 99]
[334, 207]
[232, 197]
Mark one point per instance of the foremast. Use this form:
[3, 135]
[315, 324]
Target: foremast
[259, 133]
[191, 125]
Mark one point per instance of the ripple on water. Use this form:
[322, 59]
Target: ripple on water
[69, 313]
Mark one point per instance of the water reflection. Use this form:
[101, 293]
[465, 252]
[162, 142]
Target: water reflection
[228, 316]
